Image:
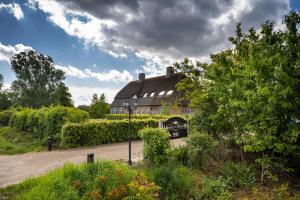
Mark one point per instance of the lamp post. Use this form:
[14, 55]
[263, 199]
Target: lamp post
[130, 105]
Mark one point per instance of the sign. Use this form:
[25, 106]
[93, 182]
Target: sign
[176, 126]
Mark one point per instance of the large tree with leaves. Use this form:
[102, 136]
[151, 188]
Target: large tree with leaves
[5, 102]
[251, 93]
[99, 107]
[38, 81]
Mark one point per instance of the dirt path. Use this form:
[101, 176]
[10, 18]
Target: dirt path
[16, 168]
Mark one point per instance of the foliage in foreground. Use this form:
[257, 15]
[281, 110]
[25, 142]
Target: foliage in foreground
[251, 93]
[101, 180]
[175, 182]
[200, 147]
[156, 145]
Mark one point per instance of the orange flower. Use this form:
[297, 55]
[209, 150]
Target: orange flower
[95, 195]
[77, 184]
[102, 179]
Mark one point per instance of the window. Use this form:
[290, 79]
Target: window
[161, 93]
[169, 93]
[152, 94]
[145, 95]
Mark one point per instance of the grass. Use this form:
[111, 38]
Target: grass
[13, 141]
[101, 180]
[115, 180]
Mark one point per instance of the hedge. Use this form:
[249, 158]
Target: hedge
[46, 122]
[5, 117]
[135, 116]
[101, 132]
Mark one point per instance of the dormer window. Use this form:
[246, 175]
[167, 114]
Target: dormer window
[145, 95]
[169, 92]
[161, 93]
[152, 94]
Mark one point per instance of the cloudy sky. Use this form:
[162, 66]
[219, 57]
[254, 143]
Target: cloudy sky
[103, 44]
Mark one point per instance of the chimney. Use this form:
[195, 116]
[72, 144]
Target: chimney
[170, 71]
[141, 76]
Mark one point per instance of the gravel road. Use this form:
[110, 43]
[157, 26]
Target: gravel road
[16, 168]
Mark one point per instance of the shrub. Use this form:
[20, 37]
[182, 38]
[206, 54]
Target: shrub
[179, 155]
[175, 183]
[100, 132]
[238, 175]
[5, 117]
[57, 116]
[18, 119]
[156, 144]
[215, 188]
[135, 116]
[46, 121]
[36, 122]
[200, 147]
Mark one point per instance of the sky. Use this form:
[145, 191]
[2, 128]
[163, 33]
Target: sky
[102, 45]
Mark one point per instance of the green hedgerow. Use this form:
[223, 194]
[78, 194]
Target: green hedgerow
[102, 131]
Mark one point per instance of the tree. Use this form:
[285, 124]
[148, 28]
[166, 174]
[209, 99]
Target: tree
[1, 81]
[99, 107]
[94, 98]
[62, 95]
[251, 93]
[5, 101]
[37, 80]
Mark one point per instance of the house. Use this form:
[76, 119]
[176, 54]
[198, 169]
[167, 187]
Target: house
[154, 95]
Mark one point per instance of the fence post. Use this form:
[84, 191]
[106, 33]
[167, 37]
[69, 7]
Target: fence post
[90, 158]
[50, 143]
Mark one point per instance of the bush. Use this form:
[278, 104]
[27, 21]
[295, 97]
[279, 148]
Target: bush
[5, 117]
[101, 180]
[18, 119]
[215, 188]
[36, 123]
[135, 116]
[175, 183]
[101, 132]
[179, 155]
[46, 121]
[156, 144]
[238, 175]
[57, 116]
[200, 147]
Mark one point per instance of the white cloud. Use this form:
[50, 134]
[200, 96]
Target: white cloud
[111, 75]
[90, 30]
[160, 33]
[14, 9]
[83, 95]
[6, 52]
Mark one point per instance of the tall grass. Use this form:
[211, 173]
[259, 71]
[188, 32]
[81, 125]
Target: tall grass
[13, 141]
[101, 180]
